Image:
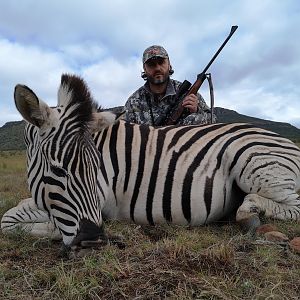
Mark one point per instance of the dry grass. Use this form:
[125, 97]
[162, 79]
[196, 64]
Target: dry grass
[213, 262]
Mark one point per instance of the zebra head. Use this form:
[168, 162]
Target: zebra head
[63, 162]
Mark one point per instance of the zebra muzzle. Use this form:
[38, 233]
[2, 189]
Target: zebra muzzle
[92, 236]
[89, 235]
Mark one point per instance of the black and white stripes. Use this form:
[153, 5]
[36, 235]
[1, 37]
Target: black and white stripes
[185, 174]
[83, 164]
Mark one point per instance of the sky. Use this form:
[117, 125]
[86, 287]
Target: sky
[256, 74]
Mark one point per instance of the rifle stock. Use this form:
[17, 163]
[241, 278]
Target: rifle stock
[174, 117]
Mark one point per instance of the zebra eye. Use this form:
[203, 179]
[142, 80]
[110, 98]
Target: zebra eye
[59, 172]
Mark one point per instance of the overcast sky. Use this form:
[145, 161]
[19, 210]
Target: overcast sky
[257, 73]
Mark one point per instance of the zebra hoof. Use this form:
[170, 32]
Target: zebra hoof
[249, 225]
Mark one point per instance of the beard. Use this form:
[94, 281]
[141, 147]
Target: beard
[158, 79]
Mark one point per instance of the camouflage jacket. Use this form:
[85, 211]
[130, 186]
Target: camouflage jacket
[142, 108]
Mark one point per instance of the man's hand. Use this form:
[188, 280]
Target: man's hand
[191, 102]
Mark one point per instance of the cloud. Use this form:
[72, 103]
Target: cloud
[85, 53]
[29, 65]
[111, 81]
[257, 73]
[261, 104]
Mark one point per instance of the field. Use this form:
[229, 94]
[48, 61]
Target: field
[211, 262]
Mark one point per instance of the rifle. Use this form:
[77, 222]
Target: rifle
[186, 88]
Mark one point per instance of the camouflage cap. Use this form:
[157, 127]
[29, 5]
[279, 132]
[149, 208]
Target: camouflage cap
[154, 51]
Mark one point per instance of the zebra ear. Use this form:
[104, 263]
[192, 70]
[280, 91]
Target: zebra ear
[103, 119]
[32, 109]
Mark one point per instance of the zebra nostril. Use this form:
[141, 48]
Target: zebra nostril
[89, 234]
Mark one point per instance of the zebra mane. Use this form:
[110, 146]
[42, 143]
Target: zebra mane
[74, 94]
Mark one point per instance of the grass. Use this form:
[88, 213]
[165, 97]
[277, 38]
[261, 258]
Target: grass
[211, 262]
[13, 182]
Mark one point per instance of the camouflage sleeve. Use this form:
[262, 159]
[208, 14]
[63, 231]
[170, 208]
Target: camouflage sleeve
[130, 115]
[137, 110]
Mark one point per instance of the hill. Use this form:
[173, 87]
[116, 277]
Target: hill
[11, 134]
[285, 129]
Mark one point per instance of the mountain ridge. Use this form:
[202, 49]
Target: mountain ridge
[11, 133]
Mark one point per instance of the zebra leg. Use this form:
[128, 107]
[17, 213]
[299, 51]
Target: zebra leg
[253, 205]
[26, 216]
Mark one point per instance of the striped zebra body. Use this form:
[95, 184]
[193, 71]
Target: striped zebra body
[187, 175]
[183, 175]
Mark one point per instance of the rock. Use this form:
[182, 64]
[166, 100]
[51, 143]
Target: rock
[276, 236]
[295, 245]
[265, 228]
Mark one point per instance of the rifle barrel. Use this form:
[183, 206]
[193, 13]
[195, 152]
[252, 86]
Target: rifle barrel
[232, 31]
[173, 117]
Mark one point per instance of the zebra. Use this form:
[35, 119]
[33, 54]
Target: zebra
[86, 165]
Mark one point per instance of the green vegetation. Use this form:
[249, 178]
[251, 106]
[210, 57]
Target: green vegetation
[211, 262]
[284, 129]
[13, 182]
[11, 136]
